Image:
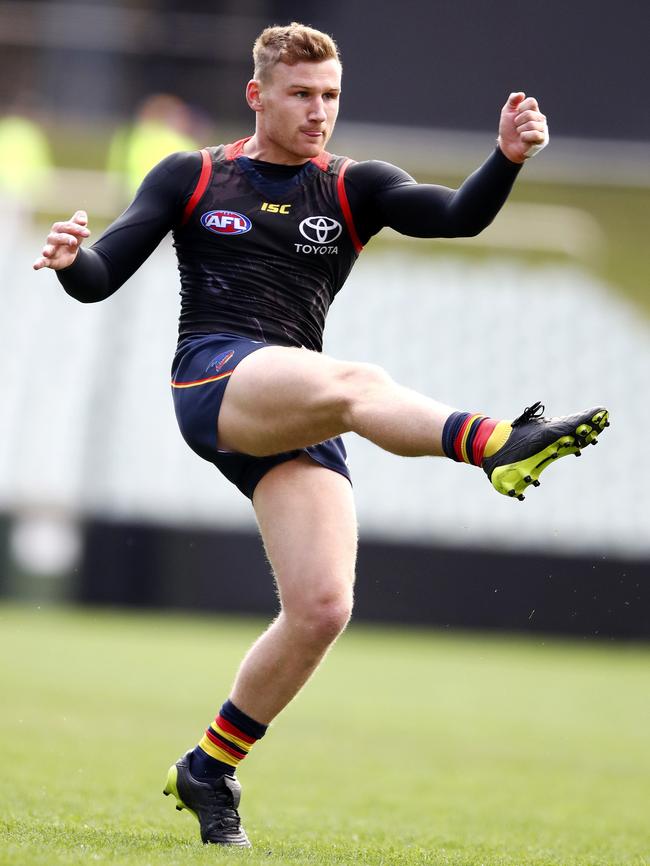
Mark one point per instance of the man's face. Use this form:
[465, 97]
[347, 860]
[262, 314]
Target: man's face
[297, 108]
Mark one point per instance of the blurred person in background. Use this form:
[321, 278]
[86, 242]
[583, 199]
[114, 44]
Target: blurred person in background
[266, 230]
[25, 164]
[163, 124]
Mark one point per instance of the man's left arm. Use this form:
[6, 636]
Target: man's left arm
[383, 195]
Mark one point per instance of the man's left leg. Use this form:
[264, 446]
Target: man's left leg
[307, 520]
[281, 399]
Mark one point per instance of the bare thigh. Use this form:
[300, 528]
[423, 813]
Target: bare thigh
[308, 524]
[280, 399]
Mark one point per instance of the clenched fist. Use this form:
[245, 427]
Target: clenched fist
[522, 129]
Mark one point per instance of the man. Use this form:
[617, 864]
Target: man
[266, 231]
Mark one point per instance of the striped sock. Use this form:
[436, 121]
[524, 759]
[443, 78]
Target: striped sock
[225, 743]
[468, 437]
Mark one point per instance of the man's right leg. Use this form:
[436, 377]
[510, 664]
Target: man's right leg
[307, 521]
[308, 525]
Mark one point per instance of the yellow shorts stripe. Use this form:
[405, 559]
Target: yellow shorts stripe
[201, 381]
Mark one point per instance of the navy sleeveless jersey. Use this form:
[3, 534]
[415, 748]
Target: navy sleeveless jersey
[264, 259]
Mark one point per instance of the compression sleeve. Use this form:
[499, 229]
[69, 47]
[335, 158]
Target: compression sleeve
[98, 272]
[381, 195]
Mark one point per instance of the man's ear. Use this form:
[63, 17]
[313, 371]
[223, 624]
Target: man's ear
[254, 95]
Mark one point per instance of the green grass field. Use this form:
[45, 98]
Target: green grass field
[408, 748]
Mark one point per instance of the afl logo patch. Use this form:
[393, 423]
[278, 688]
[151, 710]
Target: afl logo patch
[320, 229]
[226, 222]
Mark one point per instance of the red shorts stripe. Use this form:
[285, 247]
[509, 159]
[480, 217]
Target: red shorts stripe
[175, 384]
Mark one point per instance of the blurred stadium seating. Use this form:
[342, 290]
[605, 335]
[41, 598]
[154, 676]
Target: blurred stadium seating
[88, 422]
[550, 302]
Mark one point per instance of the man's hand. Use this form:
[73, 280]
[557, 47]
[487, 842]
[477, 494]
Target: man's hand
[522, 129]
[63, 242]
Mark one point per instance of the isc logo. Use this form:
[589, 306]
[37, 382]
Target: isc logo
[226, 222]
[275, 208]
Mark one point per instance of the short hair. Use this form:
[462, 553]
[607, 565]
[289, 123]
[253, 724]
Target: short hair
[291, 44]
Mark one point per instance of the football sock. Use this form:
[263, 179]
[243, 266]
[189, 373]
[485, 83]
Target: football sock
[225, 743]
[468, 438]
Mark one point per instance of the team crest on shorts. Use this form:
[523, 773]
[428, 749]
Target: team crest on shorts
[217, 363]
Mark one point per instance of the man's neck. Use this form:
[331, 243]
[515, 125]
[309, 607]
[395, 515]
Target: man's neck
[256, 149]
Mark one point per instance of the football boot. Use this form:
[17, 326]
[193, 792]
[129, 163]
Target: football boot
[536, 442]
[213, 802]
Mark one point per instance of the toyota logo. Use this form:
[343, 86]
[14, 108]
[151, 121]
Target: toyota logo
[320, 229]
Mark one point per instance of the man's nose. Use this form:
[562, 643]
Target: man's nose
[317, 110]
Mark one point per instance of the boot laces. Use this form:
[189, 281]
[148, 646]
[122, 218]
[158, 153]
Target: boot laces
[530, 413]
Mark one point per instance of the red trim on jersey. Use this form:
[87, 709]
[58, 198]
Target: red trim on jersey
[201, 186]
[236, 148]
[322, 160]
[345, 207]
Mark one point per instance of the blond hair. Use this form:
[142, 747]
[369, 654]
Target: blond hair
[292, 44]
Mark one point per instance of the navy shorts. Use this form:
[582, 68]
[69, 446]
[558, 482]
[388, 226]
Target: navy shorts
[200, 373]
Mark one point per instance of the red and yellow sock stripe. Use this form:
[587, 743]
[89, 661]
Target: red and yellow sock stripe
[224, 742]
[469, 438]
[460, 445]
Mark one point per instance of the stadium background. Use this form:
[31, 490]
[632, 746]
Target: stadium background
[101, 500]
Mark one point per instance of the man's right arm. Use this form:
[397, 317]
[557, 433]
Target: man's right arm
[94, 274]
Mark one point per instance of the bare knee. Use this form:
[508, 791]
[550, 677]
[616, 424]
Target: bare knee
[319, 620]
[358, 384]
